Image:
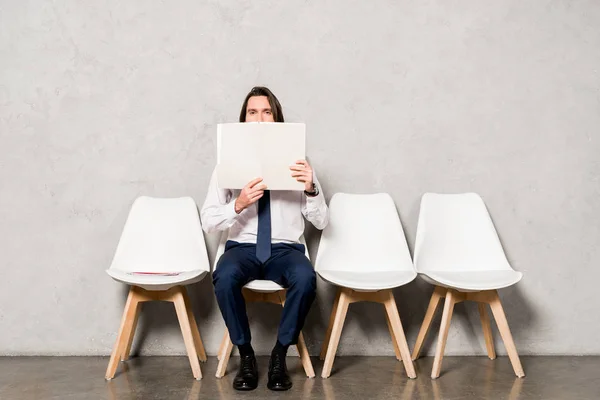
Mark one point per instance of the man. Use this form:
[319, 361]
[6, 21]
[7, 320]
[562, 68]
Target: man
[264, 231]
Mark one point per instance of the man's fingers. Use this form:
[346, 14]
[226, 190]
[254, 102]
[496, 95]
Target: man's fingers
[253, 199]
[256, 193]
[262, 186]
[303, 163]
[255, 189]
[253, 182]
[305, 174]
[300, 167]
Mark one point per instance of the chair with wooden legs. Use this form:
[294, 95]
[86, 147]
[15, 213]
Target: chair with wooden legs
[160, 251]
[364, 252]
[457, 249]
[265, 291]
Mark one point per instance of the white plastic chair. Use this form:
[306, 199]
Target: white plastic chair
[265, 291]
[457, 249]
[161, 236]
[363, 250]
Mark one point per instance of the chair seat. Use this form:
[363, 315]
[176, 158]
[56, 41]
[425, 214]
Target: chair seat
[368, 281]
[473, 280]
[157, 282]
[263, 286]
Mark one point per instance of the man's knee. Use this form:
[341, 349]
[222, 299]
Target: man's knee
[227, 275]
[305, 280]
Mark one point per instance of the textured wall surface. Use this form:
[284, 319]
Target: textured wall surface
[101, 102]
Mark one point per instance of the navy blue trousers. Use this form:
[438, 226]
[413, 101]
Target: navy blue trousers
[288, 266]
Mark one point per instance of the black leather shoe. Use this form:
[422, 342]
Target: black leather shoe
[278, 375]
[247, 376]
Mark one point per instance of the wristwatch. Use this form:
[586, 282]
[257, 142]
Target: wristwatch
[314, 192]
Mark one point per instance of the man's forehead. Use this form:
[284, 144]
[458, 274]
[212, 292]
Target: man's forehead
[259, 103]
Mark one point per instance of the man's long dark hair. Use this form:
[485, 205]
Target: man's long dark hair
[263, 91]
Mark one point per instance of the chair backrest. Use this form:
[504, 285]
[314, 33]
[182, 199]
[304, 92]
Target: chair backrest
[456, 233]
[162, 235]
[225, 236]
[364, 234]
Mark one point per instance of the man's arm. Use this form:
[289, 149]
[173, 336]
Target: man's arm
[314, 208]
[218, 211]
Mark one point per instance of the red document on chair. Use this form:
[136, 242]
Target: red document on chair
[155, 273]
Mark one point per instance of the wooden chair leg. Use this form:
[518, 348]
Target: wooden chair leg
[336, 332]
[330, 326]
[305, 357]
[487, 330]
[186, 330]
[301, 346]
[507, 338]
[124, 332]
[394, 342]
[398, 333]
[195, 332]
[127, 351]
[223, 344]
[443, 336]
[438, 292]
[224, 357]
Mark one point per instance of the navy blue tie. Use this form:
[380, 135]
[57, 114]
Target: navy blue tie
[263, 236]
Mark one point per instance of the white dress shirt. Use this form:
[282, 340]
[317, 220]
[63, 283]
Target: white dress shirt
[287, 208]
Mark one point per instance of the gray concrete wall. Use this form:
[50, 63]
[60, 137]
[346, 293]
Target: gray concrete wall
[101, 102]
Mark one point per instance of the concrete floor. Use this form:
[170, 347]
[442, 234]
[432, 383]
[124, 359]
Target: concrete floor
[568, 378]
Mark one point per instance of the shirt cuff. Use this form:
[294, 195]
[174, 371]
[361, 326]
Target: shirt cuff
[230, 213]
[314, 201]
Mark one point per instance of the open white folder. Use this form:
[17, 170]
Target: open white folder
[266, 149]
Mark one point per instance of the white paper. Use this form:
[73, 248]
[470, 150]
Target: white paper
[267, 149]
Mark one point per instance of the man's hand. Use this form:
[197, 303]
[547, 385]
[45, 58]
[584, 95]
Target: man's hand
[250, 194]
[303, 172]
